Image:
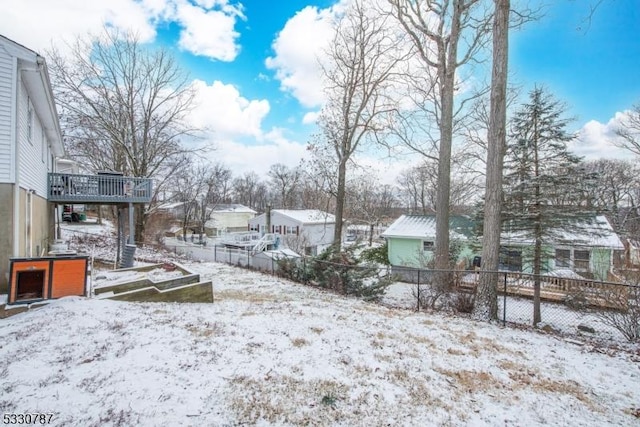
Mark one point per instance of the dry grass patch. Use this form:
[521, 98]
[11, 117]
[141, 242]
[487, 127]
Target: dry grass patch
[317, 330]
[467, 381]
[299, 342]
[531, 380]
[239, 295]
[204, 330]
[419, 339]
[281, 399]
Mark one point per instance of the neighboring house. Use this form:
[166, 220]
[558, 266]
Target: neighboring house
[30, 140]
[411, 239]
[228, 218]
[306, 230]
[587, 247]
[172, 210]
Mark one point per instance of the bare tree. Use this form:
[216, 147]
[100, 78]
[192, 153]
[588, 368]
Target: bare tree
[420, 186]
[362, 58]
[286, 180]
[369, 202]
[447, 35]
[486, 305]
[249, 190]
[123, 108]
[614, 186]
[628, 131]
[214, 185]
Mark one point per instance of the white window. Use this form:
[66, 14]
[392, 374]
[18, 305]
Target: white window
[428, 246]
[563, 258]
[581, 260]
[292, 230]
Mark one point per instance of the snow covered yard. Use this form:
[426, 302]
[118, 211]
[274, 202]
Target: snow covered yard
[269, 351]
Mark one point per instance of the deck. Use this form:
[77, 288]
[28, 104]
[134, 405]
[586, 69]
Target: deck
[593, 293]
[101, 188]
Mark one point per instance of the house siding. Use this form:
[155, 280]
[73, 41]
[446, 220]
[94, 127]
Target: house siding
[6, 96]
[6, 238]
[600, 263]
[405, 252]
[318, 237]
[32, 169]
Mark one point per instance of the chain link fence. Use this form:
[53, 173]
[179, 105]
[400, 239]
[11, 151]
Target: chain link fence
[569, 306]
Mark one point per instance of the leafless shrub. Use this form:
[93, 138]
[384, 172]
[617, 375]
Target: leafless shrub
[624, 303]
[463, 302]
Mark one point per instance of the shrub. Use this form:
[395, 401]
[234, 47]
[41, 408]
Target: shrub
[625, 316]
[339, 271]
[377, 255]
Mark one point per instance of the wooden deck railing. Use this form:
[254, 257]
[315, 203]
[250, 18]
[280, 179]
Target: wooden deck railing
[553, 288]
[101, 188]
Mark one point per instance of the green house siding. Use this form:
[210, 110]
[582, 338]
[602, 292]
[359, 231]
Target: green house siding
[405, 252]
[600, 262]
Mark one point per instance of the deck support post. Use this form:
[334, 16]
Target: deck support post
[131, 225]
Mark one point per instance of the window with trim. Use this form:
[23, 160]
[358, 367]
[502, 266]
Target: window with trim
[510, 259]
[581, 260]
[428, 246]
[292, 230]
[563, 258]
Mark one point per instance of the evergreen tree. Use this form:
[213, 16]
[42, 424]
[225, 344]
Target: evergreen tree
[542, 180]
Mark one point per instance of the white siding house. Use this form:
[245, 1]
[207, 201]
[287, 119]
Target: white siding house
[308, 231]
[30, 140]
[228, 218]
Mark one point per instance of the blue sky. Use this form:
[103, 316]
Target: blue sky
[253, 63]
[592, 65]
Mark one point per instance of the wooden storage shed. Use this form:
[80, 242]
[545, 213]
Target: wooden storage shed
[35, 279]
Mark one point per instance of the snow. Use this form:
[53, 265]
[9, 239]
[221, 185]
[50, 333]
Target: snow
[595, 232]
[307, 216]
[114, 277]
[269, 351]
[417, 226]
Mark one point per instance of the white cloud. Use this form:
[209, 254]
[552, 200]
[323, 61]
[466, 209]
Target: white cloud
[221, 109]
[596, 140]
[258, 158]
[297, 49]
[311, 117]
[38, 23]
[209, 32]
[207, 27]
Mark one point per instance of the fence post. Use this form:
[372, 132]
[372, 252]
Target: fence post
[504, 302]
[304, 270]
[418, 303]
[248, 259]
[215, 253]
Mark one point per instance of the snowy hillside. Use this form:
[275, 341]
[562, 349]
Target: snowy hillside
[273, 352]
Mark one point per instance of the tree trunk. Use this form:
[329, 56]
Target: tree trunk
[537, 260]
[140, 220]
[486, 306]
[447, 77]
[342, 179]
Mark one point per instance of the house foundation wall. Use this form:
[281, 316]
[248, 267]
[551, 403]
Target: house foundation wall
[6, 234]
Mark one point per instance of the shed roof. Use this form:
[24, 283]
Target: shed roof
[592, 231]
[424, 226]
[307, 216]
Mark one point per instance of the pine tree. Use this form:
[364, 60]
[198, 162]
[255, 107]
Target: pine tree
[542, 179]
